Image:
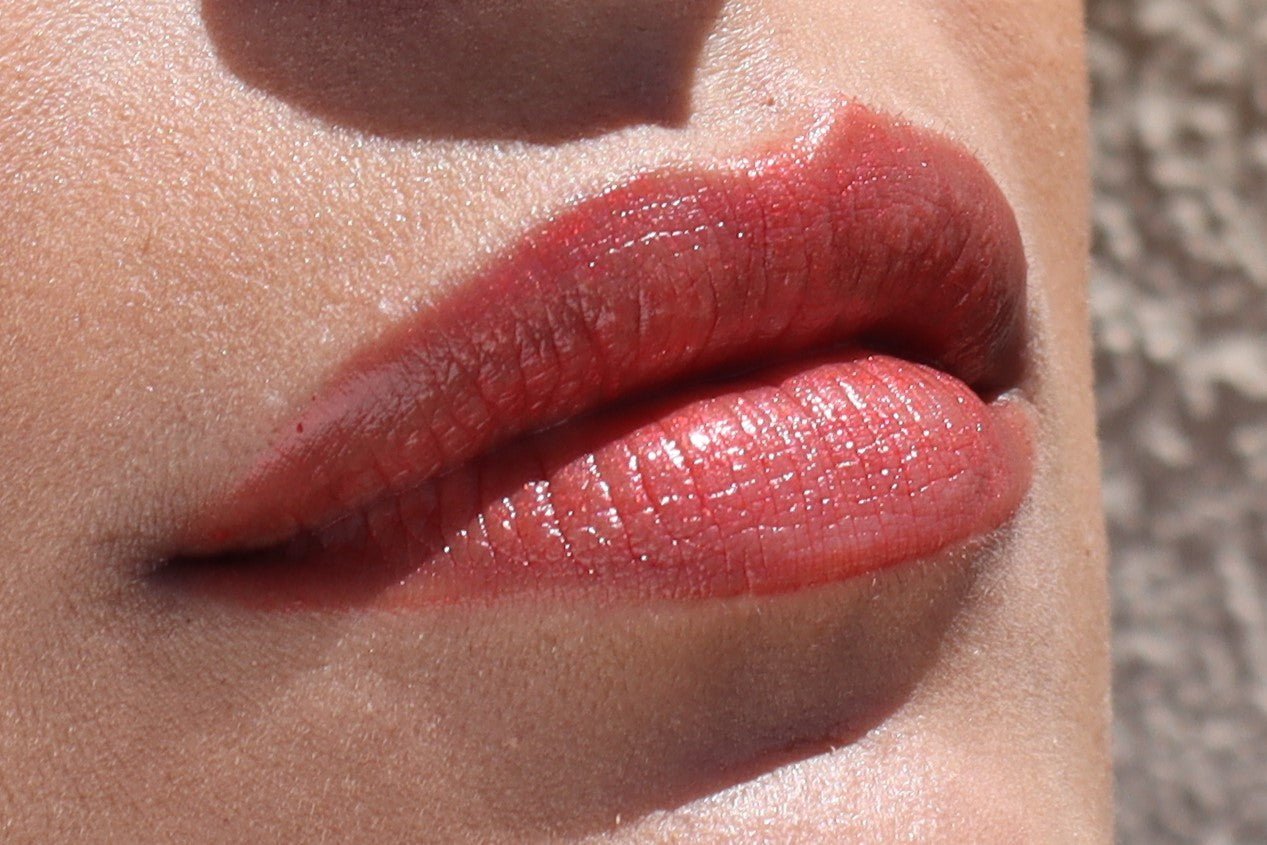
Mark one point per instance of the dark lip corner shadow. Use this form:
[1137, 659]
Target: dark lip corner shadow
[546, 71]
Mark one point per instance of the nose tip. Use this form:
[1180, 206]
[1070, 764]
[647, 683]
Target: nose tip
[543, 71]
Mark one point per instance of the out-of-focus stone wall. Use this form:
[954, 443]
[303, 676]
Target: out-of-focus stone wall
[1180, 308]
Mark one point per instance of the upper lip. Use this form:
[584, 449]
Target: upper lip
[863, 232]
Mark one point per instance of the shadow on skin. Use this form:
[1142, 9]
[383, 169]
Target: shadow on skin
[554, 718]
[545, 71]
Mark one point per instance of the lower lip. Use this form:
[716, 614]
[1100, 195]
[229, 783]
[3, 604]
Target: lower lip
[791, 478]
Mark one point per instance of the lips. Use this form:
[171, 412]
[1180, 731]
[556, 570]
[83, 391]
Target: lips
[756, 377]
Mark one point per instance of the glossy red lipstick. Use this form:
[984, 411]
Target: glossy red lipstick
[753, 377]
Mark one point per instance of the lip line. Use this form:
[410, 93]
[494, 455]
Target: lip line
[1003, 332]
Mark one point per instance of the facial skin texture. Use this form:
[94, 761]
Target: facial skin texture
[190, 243]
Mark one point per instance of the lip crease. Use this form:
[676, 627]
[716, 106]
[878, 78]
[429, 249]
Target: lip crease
[754, 377]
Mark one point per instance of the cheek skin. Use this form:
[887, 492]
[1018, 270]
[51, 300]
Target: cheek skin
[182, 256]
[1049, 611]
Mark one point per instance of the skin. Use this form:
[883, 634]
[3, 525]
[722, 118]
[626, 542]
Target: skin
[192, 242]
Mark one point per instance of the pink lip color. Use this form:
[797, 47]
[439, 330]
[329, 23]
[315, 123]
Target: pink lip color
[417, 477]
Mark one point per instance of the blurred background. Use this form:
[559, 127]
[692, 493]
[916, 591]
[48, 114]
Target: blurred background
[1180, 307]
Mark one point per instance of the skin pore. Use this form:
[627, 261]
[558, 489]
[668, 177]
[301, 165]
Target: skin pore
[208, 206]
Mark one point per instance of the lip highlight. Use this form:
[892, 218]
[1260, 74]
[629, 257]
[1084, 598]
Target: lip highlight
[750, 378]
